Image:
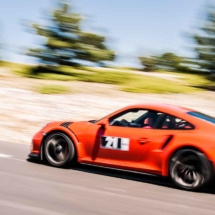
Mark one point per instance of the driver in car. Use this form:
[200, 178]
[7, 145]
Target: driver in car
[150, 120]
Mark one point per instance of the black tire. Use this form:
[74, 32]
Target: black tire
[59, 150]
[190, 169]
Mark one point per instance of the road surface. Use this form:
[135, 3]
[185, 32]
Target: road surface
[33, 188]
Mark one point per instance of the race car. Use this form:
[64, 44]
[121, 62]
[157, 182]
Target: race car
[158, 139]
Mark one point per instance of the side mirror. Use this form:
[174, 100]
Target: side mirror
[103, 122]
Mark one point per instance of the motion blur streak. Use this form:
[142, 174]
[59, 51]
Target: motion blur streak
[79, 60]
[82, 191]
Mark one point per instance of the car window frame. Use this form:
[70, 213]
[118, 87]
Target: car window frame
[156, 126]
[129, 110]
[123, 113]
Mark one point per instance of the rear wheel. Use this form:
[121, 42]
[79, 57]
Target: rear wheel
[59, 150]
[190, 169]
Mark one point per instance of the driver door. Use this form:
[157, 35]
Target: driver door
[122, 142]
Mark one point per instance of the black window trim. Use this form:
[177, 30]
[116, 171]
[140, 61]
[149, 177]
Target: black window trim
[176, 129]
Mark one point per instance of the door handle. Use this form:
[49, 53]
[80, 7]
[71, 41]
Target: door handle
[143, 141]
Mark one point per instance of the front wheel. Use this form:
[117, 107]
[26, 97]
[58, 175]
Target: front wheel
[190, 169]
[59, 149]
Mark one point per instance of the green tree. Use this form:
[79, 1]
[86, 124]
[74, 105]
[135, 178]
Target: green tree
[148, 63]
[168, 61]
[66, 42]
[205, 43]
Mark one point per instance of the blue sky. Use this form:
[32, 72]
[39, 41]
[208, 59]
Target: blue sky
[133, 27]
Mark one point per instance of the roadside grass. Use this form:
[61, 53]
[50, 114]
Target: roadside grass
[195, 80]
[116, 78]
[127, 81]
[137, 83]
[156, 85]
[54, 77]
[62, 74]
[200, 81]
[12, 65]
[52, 89]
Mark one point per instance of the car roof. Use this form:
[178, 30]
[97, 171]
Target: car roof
[170, 108]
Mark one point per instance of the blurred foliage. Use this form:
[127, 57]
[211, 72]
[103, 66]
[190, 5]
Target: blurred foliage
[168, 61]
[127, 81]
[52, 89]
[47, 73]
[157, 85]
[148, 63]
[205, 43]
[66, 42]
[137, 83]
[195, 80]
[13, 65]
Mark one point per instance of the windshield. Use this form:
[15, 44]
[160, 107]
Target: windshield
[202, 116]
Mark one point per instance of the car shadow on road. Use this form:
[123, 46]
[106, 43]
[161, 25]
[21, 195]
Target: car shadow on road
[132, 176]
[139, 177]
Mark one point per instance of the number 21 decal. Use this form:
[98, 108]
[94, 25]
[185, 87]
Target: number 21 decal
[116, 143]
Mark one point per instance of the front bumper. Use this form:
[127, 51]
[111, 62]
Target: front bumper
[34, 156]
[35, 151]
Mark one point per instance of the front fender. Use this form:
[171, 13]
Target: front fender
[41, 136]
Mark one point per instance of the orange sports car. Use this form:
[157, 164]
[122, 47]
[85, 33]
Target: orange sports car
[158, 139]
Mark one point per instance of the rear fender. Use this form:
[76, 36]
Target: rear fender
[169, 151]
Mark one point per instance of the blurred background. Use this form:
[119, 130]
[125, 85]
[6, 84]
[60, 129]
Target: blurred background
[83, 59]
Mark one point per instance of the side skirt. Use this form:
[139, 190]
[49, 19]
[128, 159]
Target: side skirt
[122, 170]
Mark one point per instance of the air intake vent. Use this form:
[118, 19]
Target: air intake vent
[66, 124]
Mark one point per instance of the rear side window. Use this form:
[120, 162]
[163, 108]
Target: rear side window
[202, 116]
[175, 123]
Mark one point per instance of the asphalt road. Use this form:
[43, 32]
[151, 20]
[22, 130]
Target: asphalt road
[34, 188]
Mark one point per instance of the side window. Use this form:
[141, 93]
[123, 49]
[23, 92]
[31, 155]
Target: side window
[175, 123]
[137, 118]
[128, 118]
